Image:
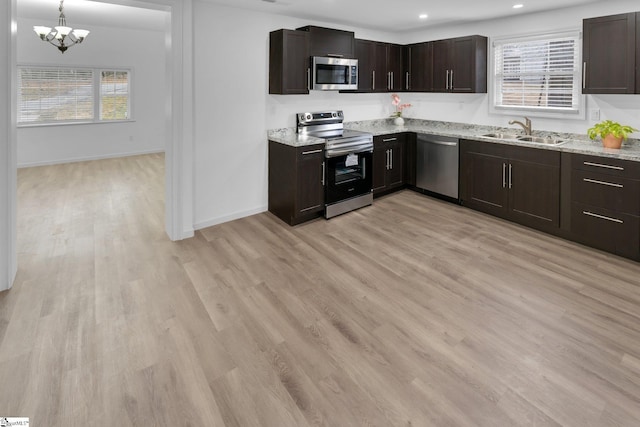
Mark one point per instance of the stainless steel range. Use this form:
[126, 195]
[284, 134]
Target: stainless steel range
[348, 161]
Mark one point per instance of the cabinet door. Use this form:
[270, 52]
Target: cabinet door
[365, 54]
[288, 62]
[330, 42]
[534, 194]
[441, 65]
[483, 179]
[380, 77]
[420, 66]
[310, 192]
[394, 67]
[395, 174]
[468, 67]
[609, 53]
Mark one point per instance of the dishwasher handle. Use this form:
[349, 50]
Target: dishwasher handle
[446, 143]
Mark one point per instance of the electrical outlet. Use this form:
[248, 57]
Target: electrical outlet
[594, 114]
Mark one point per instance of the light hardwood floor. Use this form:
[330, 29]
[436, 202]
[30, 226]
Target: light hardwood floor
[412, 312]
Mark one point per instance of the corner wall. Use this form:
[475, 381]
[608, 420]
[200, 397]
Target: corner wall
[141, 50]
[8, 256]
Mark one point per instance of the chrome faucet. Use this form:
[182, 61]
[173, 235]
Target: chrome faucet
[526, 125]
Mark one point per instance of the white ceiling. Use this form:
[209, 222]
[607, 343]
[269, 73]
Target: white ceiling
[400, 15]
[384, 15]
[92, 12]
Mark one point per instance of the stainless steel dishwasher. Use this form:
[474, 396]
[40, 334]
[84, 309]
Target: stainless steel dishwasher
[437, 165]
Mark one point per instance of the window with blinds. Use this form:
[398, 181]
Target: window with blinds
[538, 73]
[53, 95]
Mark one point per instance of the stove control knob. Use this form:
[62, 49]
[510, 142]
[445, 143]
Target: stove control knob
[334, 115]
[307, 116]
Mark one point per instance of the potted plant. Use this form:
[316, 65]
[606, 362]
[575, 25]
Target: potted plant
[612, 133]
[395, 101]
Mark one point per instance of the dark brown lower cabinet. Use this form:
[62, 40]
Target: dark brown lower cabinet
[517, 183]
[388, 163]
[605, 204]
[296, 182]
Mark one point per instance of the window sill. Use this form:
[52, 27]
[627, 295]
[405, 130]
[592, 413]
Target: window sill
[102, 122]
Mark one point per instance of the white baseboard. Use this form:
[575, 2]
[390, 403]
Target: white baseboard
[88, 158]
[231, 217]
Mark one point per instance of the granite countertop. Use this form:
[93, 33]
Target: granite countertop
[576, 143]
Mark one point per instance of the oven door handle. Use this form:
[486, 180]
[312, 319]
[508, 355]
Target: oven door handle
[329, 153]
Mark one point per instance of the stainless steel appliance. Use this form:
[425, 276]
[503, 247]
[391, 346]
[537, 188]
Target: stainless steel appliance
[437, 165]
[329, 73]
[348, 161]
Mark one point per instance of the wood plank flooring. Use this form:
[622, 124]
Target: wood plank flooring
[412, 312]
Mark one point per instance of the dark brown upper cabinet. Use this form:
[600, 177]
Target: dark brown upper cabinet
[418, 67]
[460, 65]
[395, 68]
[379, 66]
[610, 52]
[288, 62]
[330, 42]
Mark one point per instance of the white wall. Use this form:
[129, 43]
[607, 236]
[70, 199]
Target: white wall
[141, 50]
[8, 263]
[233, 109]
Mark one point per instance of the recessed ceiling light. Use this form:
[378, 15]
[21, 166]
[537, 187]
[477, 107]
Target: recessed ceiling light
[423, 16]
[518, 6]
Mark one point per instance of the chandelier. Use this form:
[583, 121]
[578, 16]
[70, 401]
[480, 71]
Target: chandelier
[61, 36]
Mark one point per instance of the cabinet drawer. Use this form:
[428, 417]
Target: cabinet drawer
[606, 165]
[607, 230]
[606, 191]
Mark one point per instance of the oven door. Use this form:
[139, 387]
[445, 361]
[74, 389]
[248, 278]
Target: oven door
[348, 175]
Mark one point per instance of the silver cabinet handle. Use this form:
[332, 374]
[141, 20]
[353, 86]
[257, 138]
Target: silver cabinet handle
[389, 139]
[510, 175]
[388, 80]
[616, 220]
[407, 81]
[504, 175]
[600, 165]
[446, 84]
[451, 84]
[373, 80]
[388, 159]
[323, 174]
[304, 153]
[584, 74]
[610, 184]
[391, 80]
[391, 158]
[308, 78]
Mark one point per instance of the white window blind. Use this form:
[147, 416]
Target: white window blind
[51, 95]
[55, 94]
[538, 73]
[114, 95]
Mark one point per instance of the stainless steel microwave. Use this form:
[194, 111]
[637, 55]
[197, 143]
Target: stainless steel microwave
[330, 73]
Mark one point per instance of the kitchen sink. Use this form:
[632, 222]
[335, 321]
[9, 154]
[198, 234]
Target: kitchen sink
[527, 138]
[542, 140]
[502, 135]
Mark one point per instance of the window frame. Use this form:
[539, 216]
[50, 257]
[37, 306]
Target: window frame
[543, 112]
[96, 94]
